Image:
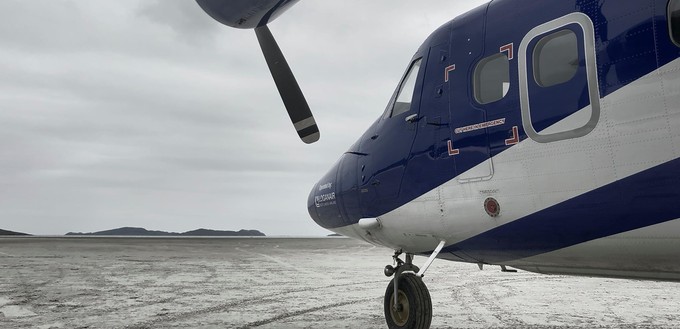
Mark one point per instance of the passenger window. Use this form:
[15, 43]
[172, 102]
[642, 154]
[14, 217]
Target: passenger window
[556, 58]
[408, 86]
[674, 20]
[492, 78]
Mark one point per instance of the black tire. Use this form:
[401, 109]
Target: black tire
[417, 305]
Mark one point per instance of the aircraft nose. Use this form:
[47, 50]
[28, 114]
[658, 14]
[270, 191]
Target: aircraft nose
[335, 201]
[322, 203]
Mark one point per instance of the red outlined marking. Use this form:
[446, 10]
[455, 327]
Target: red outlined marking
[510, 49]
[448, 69]
[515, 137]
[453, 151]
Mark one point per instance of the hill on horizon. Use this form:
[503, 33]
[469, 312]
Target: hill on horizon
[5, 232]
[138, 231]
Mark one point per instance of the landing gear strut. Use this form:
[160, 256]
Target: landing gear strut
[407, 300]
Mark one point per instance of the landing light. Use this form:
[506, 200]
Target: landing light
[369, 223]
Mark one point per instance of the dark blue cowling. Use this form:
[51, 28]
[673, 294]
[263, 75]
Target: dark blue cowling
[245, 14]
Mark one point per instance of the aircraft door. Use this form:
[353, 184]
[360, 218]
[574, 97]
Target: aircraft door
[429, 148]
[386, 150]
[469, 139]
[558, 79]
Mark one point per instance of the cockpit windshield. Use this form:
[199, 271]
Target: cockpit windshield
[408, 85]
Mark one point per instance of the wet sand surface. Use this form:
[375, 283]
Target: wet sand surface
[291, 283]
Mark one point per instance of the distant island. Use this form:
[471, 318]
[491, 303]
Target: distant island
[5, 232]
[138, 231]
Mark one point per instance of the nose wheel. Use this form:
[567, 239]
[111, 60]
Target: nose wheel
[412, 306]
[407, 300]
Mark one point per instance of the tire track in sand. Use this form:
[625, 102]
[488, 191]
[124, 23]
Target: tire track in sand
[223, 307]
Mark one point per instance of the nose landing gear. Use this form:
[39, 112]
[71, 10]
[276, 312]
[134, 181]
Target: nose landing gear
[407, 300]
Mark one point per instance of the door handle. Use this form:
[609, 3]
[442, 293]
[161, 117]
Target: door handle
[411, 118]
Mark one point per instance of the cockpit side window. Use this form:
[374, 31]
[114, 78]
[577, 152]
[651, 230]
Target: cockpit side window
[406, 90]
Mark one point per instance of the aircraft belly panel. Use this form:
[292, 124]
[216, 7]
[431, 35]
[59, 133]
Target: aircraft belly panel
[637, 253]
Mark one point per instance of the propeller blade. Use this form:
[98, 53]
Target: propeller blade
[292, 96]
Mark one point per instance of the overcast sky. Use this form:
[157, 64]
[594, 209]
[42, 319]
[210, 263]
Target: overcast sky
[148, 113]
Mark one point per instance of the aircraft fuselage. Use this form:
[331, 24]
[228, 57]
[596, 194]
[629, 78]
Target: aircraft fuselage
[544, 136]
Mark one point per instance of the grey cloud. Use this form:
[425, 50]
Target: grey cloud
[184, 17]
[150, 113]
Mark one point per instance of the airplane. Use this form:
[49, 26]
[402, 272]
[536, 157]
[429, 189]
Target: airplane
[537, 135]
